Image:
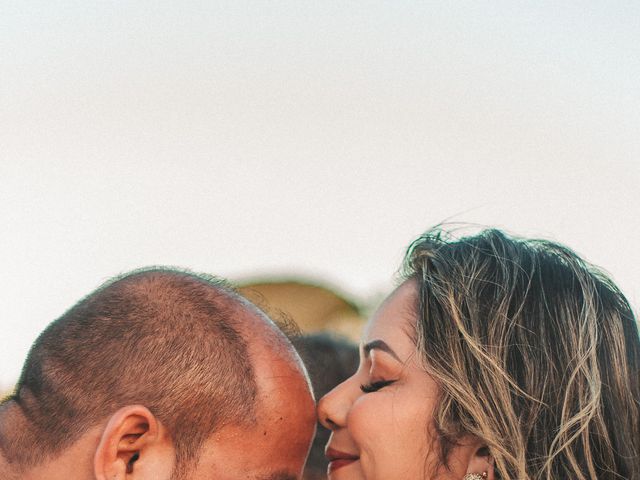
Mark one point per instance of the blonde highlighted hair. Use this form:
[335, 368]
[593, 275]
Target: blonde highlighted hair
[536, 351]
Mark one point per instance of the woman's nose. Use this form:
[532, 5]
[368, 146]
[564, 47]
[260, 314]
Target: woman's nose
[334, 407]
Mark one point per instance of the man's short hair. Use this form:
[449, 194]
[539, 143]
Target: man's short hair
[163, 338]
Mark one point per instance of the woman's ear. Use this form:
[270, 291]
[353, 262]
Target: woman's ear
[133, 445]
[480, 463]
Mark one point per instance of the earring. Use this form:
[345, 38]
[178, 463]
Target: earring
[475, 476]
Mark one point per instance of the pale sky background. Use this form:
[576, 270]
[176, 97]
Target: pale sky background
[319, 138]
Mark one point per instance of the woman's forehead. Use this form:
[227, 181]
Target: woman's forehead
[394, 321]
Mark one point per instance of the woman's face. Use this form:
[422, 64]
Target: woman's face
[381, 417]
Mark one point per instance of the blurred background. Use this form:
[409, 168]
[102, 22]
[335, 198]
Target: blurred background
[298, 147]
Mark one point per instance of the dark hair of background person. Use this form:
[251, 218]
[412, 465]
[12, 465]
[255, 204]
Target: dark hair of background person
[536, 352]
[330, 359]
[159, 337]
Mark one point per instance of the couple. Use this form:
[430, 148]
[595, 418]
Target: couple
[495, 358]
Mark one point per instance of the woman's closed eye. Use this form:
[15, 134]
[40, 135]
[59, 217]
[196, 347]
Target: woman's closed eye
[375, 386]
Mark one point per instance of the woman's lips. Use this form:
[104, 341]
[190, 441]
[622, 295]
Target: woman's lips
[338, 459]
[336, 464]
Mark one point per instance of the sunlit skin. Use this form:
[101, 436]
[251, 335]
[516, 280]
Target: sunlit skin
[381, 418]
[274, 449]
[277, 447]
[133, 444]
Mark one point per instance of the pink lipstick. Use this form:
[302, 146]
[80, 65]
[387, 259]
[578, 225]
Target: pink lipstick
[338, 459]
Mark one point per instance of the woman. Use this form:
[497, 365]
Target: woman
[496, 358]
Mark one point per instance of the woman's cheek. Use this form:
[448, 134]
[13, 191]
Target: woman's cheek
[393, 435]
[365, 420]
[373, 434]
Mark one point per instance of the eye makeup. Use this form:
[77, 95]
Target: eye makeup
[375, 386]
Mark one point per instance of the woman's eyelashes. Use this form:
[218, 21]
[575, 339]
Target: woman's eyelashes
[375, 386]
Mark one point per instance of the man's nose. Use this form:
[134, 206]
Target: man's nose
[334, 407]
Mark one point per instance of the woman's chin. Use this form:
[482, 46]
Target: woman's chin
[344, 469]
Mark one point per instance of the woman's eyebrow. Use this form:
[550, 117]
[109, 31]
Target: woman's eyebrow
[379, 345]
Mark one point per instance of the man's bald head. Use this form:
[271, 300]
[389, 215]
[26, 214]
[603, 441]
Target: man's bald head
[172, 341]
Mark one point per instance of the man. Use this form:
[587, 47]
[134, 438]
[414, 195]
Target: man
[159, 374]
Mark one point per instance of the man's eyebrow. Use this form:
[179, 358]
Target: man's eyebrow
[379, 345]
[281, 475]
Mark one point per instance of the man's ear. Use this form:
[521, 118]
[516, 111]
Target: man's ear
[481, 462]
[133, 445]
